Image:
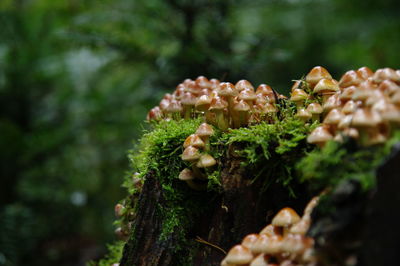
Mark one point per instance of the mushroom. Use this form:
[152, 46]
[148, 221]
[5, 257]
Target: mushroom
[285, 218]
[195, 141]
[315, 110]
[316, 74]
[239, 255]
[204, 131]
[319, 136]
[206, 160]
[188, 176]
[217, 106]
[350, 78]
[298, 96]
[326, 87]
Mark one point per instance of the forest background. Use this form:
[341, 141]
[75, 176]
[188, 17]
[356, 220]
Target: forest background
[78, 76]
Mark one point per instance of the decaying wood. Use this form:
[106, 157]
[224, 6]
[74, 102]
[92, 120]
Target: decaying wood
[242, 208]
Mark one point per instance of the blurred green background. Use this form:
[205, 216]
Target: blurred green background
[77, 77]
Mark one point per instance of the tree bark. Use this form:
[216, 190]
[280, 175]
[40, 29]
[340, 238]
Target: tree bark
[242, 208]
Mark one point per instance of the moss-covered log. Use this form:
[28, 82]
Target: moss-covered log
[239, 209]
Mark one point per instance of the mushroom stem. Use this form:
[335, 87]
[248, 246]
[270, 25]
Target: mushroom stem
[222, 123]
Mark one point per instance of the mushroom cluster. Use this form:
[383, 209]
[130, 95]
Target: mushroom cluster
[124, 212]
[221, 104]
[283, 242]
[196, 153]
[363, 104]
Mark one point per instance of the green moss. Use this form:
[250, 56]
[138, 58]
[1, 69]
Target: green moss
[270, 151]
[336, 162]
[113, 256]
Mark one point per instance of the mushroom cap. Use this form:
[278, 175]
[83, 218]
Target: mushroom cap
[260, 244]
[347, 93]
[331, 103]
[264, 89]
[239, 255]
[218, 103]
[247, 95]
[204, 130]
[345, 122]
[190, 154]
[186, 174]
[189, 98]
[296, 244]
[325, 86]
[243, 85]
[316, 74]
[270, 108]
[315, 108]
[363, 117]
[203, 82]
[385, 73]
[193, 140]
[227, 89]
[285, 217]
[298, 95]
[260, 260]
[349, 107]
[206, 160]
[388, 87]
[365, 72]
[241, 106]
[271, 230]
[274, 245]
[249, 240]
[350, 78]
[303, 114]
[203, 103]
[214, 84]
[319, 135]
[333, 117]
[154, 114]
[164, 103]
[174, 106]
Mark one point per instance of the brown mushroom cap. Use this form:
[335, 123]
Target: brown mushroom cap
[206, 160]
[326, 86]
[227, 89]
[247, 95]
[386, 73]
[203, 103]
[365, 72]
[193, 140]
[316, 74]
[315, 108]
[350, 107]
[319, 135]
[204, 130]
[243, 85]
[285, 217]
[271, 230]
[203, 82]
[365, 118]
[186, 174]
[333, 117]
[260, 260]
[298, 95]
[303, 114]
[265, 90]
[350, 78]
[331, 103]
[218, 103]
[249, 240]
[191, 154]
[301, 227]
[239, 255]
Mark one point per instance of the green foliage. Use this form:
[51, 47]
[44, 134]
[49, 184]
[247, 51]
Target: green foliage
[329, 166]
[113, 256]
